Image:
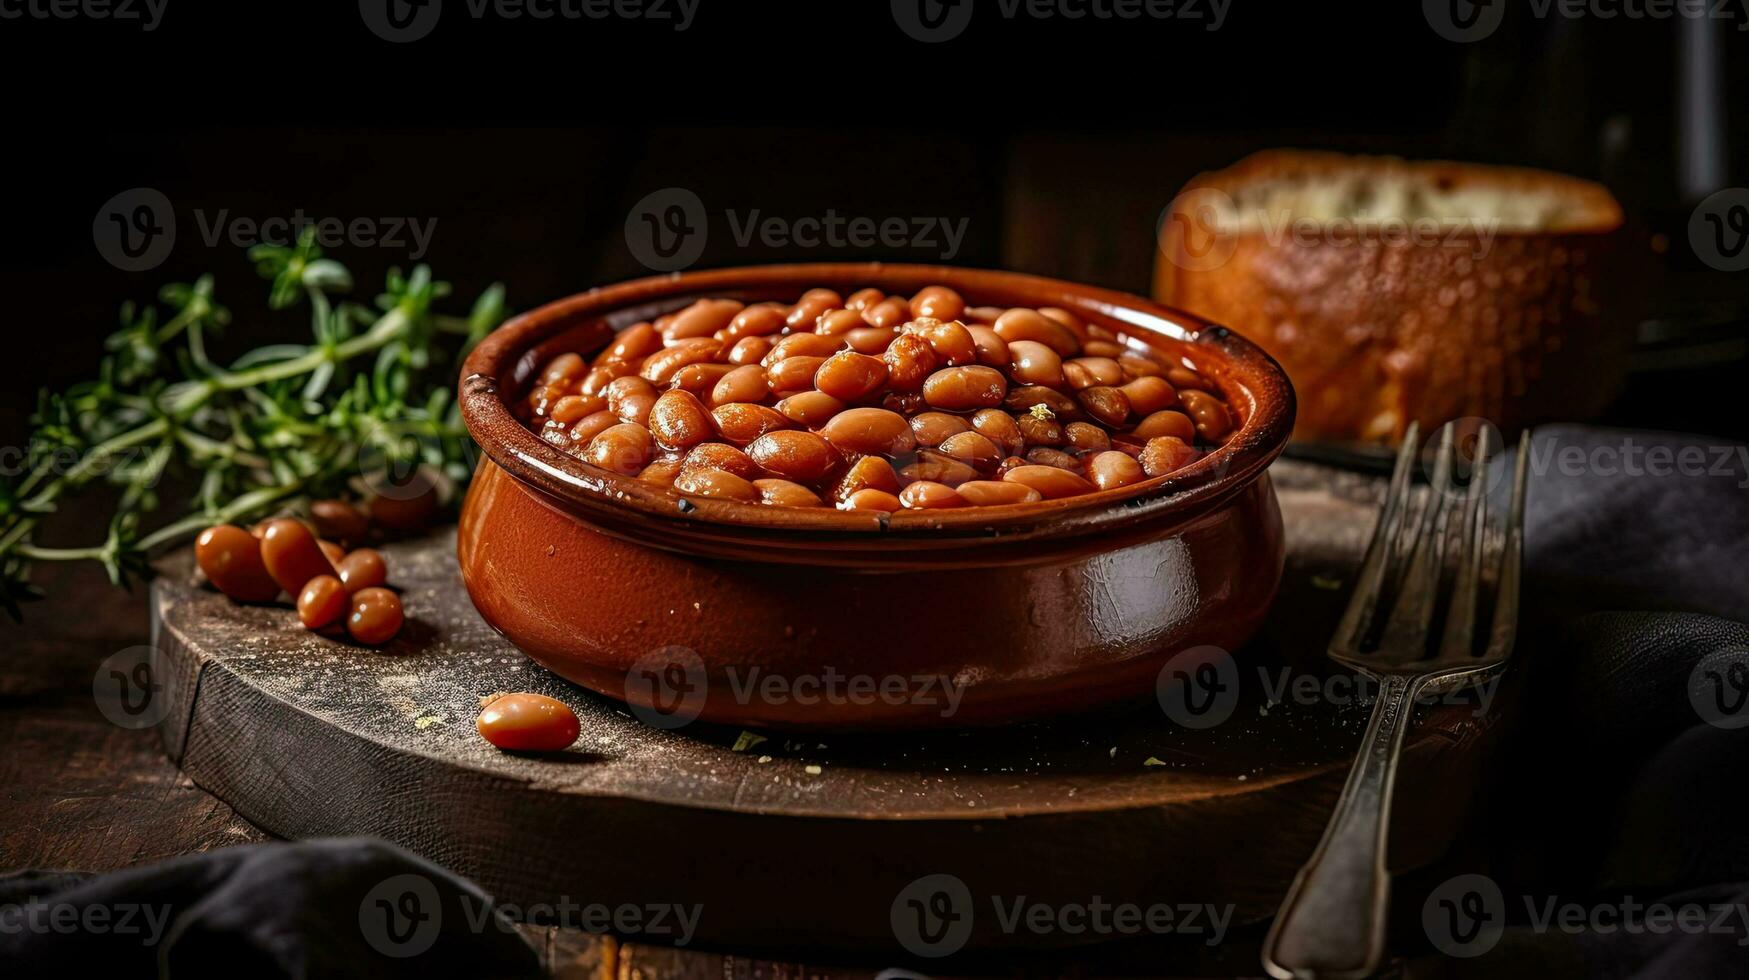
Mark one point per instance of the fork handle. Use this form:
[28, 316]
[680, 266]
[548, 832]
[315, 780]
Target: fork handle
[1332, 923]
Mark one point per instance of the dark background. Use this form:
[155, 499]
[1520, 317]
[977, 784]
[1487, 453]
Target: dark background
[1057, 141]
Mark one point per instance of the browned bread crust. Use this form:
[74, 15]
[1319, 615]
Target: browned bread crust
[1465, 291]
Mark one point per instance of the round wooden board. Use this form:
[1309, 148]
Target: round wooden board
[795, 841]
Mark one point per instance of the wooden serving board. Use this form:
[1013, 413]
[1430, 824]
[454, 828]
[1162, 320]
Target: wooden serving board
[794, 842]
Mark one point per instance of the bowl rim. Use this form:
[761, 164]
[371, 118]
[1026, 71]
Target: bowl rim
[1244, 371]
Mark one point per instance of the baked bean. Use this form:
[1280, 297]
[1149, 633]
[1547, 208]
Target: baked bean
[802, 345]
[1183, 377]
[528, 723]
[758, 320]
[992, 349]
[951, 341]
[937, 467]
[873, 394]
[572, 408]
[591, 426]
[866, 431]
[794, 454]
[634, 343]
[716, 456]
[892, 313]
[1046, 456]
[743, 384]
[341, 521]
[566, 367]
[743, 422]
[1000, 428]
[1035, 431]
[928, 495]
[995, 493]
[974, 448]
[1149, 394]
[793, 374]
[849, 376]
[1166, 423]
[862, 299]
[870, 340]
[1024, 324]
[785, 493]
[872, 499]
[835, 323]
[1140, 366]
[333, 551]
[323, 601]
[597, 380]
[962, 389]
[1049, 481]
[701, 319]
[1025, 397]
[1165, 454]
[407, 505]
[1111, 470]
[934, 428]
[625, 448]
[679, 420]
[375, 617]
[1085, 372]
[1210, 415]
[660, 472]
[716, 484]
[660, 366]
[938, 302]
[1033, 363]
[1085, 437]
[749, 350]
[810, 408]
[362, 568]
[292, 555]
[1108, 405]
[910, 362]
[867, 473]
[231, 559]
[809, 308]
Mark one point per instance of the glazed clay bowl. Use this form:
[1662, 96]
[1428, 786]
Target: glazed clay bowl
[820, 619]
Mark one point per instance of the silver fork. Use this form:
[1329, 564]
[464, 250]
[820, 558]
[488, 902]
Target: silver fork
[1332, 922]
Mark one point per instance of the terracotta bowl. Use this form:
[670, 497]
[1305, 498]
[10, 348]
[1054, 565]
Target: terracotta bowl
[824, 619]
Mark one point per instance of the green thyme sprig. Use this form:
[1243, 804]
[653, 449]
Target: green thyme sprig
[280, 425]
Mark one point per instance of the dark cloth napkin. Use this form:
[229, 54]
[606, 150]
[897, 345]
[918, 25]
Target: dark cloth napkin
[1625, 782]
[320, 908]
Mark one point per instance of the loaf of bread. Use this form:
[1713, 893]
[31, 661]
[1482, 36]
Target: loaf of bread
[1396, 291]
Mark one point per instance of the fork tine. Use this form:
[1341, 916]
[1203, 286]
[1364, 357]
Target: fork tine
[1460, 618]
[1368, 584]
[1505, 626]
[1413, 610]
